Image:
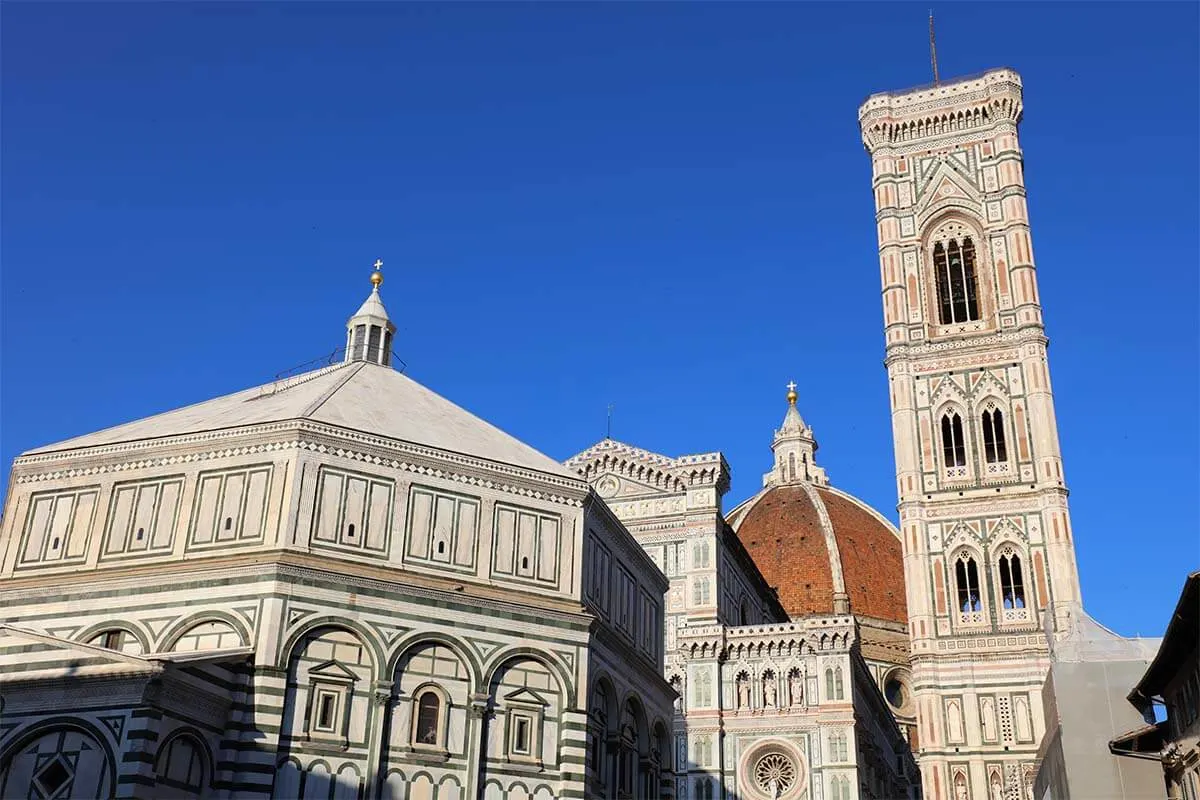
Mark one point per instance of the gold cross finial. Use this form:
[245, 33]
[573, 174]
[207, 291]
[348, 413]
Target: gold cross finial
[377, 275]
[791, 395]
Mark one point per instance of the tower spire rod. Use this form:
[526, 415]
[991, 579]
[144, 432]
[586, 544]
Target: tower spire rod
[933, 50]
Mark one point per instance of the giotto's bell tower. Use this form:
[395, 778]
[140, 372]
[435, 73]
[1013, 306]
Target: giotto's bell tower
[988, 555]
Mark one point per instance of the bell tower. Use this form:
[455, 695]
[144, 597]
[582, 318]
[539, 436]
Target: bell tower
[988, 556]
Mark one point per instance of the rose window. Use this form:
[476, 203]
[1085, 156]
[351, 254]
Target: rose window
[775, 774]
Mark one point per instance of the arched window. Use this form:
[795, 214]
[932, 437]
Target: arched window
[966, 578]
[117, 639]
[1012, 582]
[954, 451]
[704, 684]
[954, 266]
[744, 613]
[994, 448]
[427, 730]
[182, 767]
[839, 689]
[829, 682]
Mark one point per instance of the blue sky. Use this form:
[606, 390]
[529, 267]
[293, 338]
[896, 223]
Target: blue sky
[664, 206]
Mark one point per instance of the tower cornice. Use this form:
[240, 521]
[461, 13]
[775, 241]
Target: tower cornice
[939, 114]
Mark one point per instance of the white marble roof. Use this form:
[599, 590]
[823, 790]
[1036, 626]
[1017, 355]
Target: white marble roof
[357, 395]
[372, 307]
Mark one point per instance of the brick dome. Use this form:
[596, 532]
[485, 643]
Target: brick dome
[817, 545]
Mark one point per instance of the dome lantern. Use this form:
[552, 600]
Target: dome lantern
[369, 332]
[795, 449]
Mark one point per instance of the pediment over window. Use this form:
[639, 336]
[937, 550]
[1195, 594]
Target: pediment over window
[333, 670]
[525, 697]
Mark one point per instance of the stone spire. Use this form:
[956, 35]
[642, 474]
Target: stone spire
[795, 450]
[369, 332]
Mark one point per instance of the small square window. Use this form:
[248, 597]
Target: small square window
[522, 734]
[325, 712]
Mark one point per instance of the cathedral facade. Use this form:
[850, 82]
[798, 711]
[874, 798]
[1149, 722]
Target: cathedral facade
[789, 661]
[341, 585]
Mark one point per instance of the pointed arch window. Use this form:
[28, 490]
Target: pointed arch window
[954, 268]
[1012, 581]
[966, 577]
[995, 448]
[954, 450]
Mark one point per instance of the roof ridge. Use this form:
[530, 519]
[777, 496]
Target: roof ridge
[282, 385]
[315, 406]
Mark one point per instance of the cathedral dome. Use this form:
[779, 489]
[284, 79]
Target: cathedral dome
[822, 550]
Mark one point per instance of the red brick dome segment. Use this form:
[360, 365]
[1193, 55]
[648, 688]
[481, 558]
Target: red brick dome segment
[783, 532]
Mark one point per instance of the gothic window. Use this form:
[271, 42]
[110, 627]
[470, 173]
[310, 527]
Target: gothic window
[700, 555]
[954, 721]
[1012, 582]
[954, 267]
[834, 688]
[744, 613]
[427, 718]
[987, 717]
[966, 578]
[700, 593]
[994, 448]
[954, 451]
[838, 751]
[703, 688]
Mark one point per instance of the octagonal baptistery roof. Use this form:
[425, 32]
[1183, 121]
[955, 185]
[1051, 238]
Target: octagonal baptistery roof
[823, 550]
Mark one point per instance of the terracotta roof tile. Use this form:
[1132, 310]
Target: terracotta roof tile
[782, 532]
[872, 562]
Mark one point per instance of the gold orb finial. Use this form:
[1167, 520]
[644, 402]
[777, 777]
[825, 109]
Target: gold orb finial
[791, 395]
[377, 275]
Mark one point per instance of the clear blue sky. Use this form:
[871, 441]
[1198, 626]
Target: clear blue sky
[665, 206]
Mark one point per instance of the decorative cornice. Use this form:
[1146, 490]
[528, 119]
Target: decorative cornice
[978, 344]
[317, 438]
[668, 474]
[287, 567]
